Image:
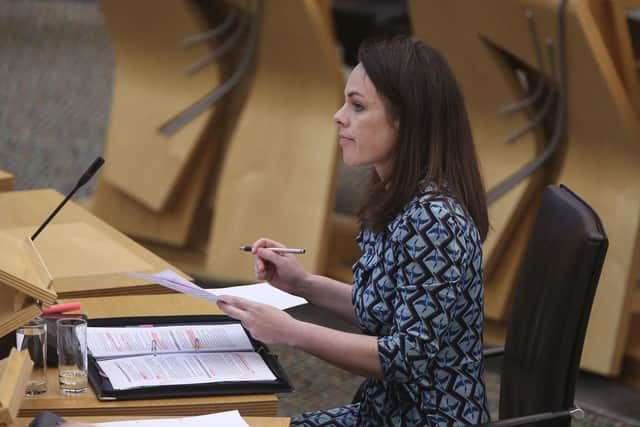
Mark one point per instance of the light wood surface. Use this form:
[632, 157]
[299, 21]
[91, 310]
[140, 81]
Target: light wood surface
[171, 225]
[620, 47]
[27, 209]
[252, 421]
[14, 373]
[460, 31]
[86, 404]
[23, 280]
[144, 305]
[150, 88]
[604, 130]
[344, 251]
[7, 181]
[279, 170]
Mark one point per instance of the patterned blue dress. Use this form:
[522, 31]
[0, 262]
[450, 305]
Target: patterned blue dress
[418, 287]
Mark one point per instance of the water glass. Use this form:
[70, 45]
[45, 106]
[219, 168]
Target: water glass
[72, 355]
[33, 337]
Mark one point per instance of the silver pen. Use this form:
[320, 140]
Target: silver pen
[248, 248]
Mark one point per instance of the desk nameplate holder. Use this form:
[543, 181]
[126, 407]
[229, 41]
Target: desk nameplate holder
[83, 261]
[14, 373]
[25, 282]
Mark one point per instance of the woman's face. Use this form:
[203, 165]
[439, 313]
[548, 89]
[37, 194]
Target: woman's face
[366, 134]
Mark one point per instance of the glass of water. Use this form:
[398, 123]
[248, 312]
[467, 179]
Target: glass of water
[72, 355]
[33, 337]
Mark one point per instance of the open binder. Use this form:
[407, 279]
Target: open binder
[105, 391]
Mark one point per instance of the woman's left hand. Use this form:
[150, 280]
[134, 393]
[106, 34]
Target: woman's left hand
[264, 322]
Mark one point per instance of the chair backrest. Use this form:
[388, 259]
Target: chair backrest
[554, 292]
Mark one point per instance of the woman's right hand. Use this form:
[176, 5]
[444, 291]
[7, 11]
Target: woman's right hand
[281, 270]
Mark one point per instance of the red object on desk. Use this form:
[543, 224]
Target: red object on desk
[62, 308]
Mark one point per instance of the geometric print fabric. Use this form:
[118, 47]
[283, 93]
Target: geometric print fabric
[418, 287]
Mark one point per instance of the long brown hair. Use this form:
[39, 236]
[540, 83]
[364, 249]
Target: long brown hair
[434, 136]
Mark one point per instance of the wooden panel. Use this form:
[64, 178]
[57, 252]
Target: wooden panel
[601, 165]
[630, 373]
[622, 52]
[635, 300]
[14, 373]
[7, 181]
[501, 284]
[252, 421]
[150, 88]
[343, 251]
[495, 333]
[144, 305]
[173, 224]
[86, 404]
[278, 176]
[185, 221]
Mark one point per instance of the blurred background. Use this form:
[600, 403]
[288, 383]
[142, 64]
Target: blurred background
[215, 121]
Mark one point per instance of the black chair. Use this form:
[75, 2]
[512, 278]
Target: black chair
[554, 293]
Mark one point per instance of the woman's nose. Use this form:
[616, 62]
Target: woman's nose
[339, 118]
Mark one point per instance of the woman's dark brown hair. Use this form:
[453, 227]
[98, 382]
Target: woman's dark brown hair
[434, 135]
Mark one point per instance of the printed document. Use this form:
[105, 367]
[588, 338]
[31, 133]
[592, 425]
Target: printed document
[136, 340]
[146, 355]
[188, 368]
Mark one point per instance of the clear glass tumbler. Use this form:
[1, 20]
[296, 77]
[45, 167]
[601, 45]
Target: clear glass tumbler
[33, 337]
[72, 355]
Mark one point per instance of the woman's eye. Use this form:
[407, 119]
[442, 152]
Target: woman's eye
[357, 107]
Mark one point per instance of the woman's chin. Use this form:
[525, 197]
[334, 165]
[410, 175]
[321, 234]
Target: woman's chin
[349, 160]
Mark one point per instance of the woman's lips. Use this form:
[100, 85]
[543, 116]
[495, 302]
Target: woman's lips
[343, 140]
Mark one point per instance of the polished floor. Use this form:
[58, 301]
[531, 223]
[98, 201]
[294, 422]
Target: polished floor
[56, 73]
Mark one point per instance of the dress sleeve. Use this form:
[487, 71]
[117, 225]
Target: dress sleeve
[428, 252]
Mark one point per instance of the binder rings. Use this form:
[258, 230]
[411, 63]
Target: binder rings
[105, 391]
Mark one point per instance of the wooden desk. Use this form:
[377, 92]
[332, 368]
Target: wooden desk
[147, 305]
[252, 421]
[87, 404]
[29, 208]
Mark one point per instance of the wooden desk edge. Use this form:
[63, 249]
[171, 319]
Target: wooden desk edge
[252, 421]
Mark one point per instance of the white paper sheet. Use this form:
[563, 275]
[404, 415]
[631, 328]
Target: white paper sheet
[259, 292]
[172, 280]
[136, 340]
[226, 419]
[263, 293]
[185, 368]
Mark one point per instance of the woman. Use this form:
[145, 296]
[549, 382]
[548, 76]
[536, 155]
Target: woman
[417, 293]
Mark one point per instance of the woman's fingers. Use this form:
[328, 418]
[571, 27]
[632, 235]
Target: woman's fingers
[264, 242]
[235, 307]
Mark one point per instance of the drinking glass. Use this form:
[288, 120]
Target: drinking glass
[33, 337]
[72, 355]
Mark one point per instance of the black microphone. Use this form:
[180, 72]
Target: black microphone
[97, 163]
